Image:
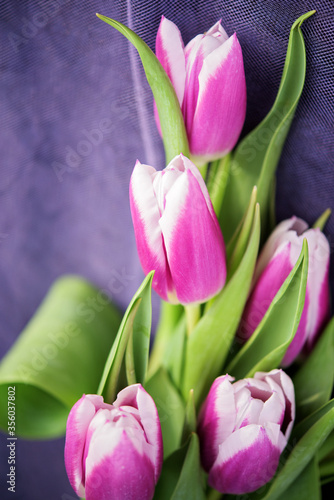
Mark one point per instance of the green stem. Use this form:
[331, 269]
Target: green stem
[193, 314]
[203, 169]
[169, 317]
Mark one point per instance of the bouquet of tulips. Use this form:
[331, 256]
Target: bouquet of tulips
[234, 395]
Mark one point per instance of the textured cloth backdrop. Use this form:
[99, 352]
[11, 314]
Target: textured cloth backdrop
[77, 112]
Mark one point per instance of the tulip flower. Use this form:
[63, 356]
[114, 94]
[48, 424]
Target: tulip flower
[177, 231]
[209, 80]
[276, 261]
[243, 428]
[114, 451]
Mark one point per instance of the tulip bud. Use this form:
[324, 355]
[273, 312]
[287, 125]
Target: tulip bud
[276, 261]
[114, 451]
[243, 429]
[209, 80]
[177, 231]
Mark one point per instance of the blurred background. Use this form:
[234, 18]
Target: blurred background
[77, 113]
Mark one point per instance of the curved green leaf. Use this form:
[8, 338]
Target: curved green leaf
[59, 356]
[302, 454]
[171, 409]
[190, 483]
[321, 221]
[314, 380]
[171, 119]
[300, 429]
[210, 341]
[268, 344]
[255, 159]
[306, 486]
[170, 474]
[136, 324]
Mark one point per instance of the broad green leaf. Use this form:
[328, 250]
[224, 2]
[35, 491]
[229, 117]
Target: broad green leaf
[321, 221]
[171, 409]
[169, 317]
[209, 342]
[132, 326]
[59, 356]
[268, 344]
[301, 454]
[327, 448]
[300, 429]
[170, 474]
[306, 486]
[255, 159]
[171, 119]
[190, 483]
[314, 380]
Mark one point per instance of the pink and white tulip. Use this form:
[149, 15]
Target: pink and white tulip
[243, 429]
[177, 232]
[209, 80]
[114, 451]
[276, 261]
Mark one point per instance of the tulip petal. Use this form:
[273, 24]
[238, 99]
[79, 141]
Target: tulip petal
[217, 419]
[196, 52]
[277, 237]
[186, 217]
[145, 215]
[221, 107]
[169, 50]
[265, 290]
[247, 460]
[317, 284]
[76, 428]
[285, 382]
[218, 31]
[137, 397]
[116, 469]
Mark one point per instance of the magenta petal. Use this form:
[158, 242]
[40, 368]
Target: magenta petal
[287, 230]
[265, 290]
[247, 460]
[145, 216]
[221, 108]
[123, 473]
[217, 419]
[317, 284]
[76, 428]
[186, 219]
[136, 396]
[169, 50]
[280, 378]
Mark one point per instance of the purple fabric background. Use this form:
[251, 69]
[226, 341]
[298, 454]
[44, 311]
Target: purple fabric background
[77, 112]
